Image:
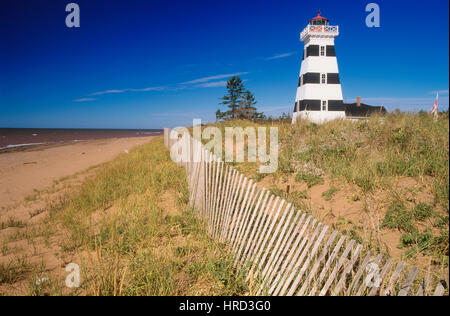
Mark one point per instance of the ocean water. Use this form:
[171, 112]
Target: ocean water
[23, 137]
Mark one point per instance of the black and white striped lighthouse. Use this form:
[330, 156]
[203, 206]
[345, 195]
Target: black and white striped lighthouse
[319, 93]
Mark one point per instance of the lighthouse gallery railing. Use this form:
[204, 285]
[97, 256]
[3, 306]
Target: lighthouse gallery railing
[317, 29]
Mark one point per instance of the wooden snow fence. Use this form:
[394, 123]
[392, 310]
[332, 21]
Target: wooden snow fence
[285, 251]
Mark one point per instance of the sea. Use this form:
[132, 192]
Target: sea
[21, 138]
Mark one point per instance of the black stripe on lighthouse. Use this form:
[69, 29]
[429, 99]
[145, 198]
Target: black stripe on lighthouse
[336, 105]
[314, 77]
[310, 105]
[330, 51]
[312, 50]
[311, 77]
[333, 78]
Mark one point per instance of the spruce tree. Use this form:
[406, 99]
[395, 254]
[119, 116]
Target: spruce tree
[248, 111]
[240, 102]
[233, 98]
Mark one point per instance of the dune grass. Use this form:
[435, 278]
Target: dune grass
[131, 232]
[373, 156]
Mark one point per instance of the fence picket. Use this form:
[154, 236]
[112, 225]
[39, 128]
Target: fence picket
[287, 248]
[347, 270]
[228, 212]
[254, 220]
[409, 280]
[251, 243]
[229, 178]
[262, 232]
[307, 262]
[280, 246]
[248, 206]
[290, 260]
[284, 251]
[284, 284]
[336, 269]
[394, 277]
[314, 269]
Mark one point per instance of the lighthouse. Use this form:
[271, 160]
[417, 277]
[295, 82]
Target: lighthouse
[319, 93]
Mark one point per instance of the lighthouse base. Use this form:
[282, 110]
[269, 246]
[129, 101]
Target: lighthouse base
[318, 117]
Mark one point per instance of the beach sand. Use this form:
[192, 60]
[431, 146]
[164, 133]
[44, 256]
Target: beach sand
[24, 172]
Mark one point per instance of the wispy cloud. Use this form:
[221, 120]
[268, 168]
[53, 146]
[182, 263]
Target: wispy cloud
[205, 82]
[279, 56]
[147, 89]
[212, 78]
[213, 84]
[128, 90]
[107, 92]
[84, 100]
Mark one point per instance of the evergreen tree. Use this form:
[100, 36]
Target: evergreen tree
[240, 102]
[248, 111]
[220, 115]
[233, 98]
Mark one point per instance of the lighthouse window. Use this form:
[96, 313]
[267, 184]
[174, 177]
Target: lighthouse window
[324, 78]
[322, 50]
[324, 105]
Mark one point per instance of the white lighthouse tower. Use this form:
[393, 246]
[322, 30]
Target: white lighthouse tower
[319, 93]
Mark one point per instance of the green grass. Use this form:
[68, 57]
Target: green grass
[297, 198]
[12, 222]
[328, 194]
[137, 247]
[369, 154]
[422, 212]
[398, 217]
[373, 156]
[310, 179]
[14, 270]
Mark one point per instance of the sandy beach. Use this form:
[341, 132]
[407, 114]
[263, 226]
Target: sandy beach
[23, 172]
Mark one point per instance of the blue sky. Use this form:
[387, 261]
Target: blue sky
[154, 64]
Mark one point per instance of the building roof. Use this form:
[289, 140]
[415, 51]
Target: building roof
[352, 109]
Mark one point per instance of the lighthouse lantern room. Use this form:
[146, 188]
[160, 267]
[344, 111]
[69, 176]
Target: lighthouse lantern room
[319, 93]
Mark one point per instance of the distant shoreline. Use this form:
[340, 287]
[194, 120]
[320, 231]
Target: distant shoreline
[35, 168]
[24, 139]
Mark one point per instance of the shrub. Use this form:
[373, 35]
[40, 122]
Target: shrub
[422, 211]
[311, 180]
[397, 217]
[399, 136]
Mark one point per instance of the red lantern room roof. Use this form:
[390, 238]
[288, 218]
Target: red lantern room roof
[319, 18]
